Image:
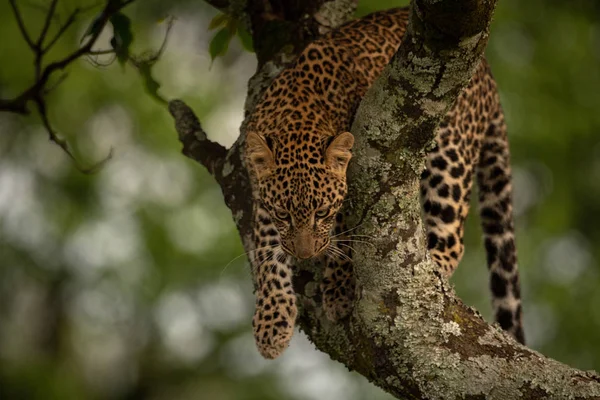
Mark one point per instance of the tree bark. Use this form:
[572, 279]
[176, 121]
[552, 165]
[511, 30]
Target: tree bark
[408, 333]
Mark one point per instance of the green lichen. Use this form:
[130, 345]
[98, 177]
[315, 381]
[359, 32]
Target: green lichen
[311, 289]
[336, 12]
[421, 73]
[227, 169]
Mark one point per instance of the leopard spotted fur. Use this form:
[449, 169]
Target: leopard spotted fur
[297, 150]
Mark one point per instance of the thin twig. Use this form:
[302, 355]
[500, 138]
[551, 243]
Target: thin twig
[39, 89]
[95, 167]
[62, 29]
[101, 52]
[44, 31]
[60, 80]
[98, 64]
[92, 7]
[22, 25]
[39, 7]
[18, 104]
[41, 106]
[150, 58]
[163, 46]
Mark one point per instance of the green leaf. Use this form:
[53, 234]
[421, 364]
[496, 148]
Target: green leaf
[122, 36]
[245, 39]
[218, 21]
[232, 25]
[150, 84]
[220, 43]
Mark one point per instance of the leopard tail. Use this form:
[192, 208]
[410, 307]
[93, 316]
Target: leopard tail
[496, 210]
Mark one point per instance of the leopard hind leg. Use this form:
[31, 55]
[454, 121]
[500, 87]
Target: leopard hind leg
[445, 195]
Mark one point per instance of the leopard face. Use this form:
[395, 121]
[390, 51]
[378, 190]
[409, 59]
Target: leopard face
[301, 186]
[302, 216]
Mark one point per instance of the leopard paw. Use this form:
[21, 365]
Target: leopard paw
[337, 299]
[274, 326]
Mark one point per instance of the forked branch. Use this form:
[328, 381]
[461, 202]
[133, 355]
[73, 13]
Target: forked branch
[19, 103]
[40, 87]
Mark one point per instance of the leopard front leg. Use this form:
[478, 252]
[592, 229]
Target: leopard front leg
[338, 278]
[275, 313]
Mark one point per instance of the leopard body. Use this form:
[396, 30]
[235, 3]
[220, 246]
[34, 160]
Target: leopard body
[297, 150]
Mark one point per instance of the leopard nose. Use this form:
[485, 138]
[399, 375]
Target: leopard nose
[304, 245]
[303, 253]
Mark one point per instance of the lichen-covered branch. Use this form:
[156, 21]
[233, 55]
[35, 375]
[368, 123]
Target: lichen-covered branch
[195, 143]
[408, 333]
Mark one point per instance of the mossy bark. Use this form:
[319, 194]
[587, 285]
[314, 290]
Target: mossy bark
[408, 333]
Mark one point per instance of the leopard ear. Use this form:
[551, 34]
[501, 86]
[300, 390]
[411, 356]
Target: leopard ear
[338, 153]
[259, 156]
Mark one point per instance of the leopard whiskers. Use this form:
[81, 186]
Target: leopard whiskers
[330, 250]
[269, 256]
[336, 255]
[251, 254]
[346, 245]
[282, 256]
[335, 252]
[353, 241]
[361, 236]
[348, 230]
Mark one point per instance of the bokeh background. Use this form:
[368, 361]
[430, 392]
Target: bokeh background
[125, 284]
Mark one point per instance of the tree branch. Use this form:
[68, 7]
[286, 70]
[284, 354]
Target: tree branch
[18, 104]
[280, 28]
[408, 333]
[47, 22]
[22, 25]
[219, 4]
[72, 18]
[196, 145]
[38, 90]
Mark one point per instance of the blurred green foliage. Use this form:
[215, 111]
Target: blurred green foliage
[122, 285]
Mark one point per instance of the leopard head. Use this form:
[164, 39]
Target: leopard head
[302, 184]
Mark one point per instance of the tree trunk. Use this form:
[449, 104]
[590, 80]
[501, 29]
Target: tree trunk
[408, 333]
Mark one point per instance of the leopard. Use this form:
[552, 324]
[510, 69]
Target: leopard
[297, 150]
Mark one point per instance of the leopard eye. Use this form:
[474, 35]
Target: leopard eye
[281, 214]
[323, 212]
